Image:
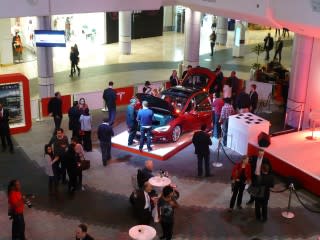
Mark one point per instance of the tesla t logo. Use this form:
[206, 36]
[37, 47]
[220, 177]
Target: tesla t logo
[120, 94]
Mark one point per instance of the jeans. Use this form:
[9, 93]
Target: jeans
[216, 126]
[6, 139]
[225, 132]
[237, 194]
[278, 52]
[18, 227]
[145, 131]
[206, 159]
[167, 230]
[212, 47]
[261, 206]
[112, 115]
[132, 134]
[57, 121]
[105, 151]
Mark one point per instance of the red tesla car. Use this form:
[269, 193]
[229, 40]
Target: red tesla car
[179, 109]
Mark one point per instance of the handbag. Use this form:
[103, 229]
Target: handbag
[84, 164]
[256, 191]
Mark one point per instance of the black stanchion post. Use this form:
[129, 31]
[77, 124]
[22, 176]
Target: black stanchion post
[288, 214]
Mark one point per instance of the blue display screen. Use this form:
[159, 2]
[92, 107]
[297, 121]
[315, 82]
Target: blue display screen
[50, 38]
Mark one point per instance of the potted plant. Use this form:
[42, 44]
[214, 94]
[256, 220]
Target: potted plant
[255, 67]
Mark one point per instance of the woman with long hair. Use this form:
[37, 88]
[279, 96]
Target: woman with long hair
[51, 168]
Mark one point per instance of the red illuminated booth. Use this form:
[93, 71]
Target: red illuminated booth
[15, 96]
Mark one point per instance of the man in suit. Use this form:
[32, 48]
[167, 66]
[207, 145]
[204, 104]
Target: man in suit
[143, 204]
[278, 51]
[55, 109]
[5, 129]
[268, 45]
[256, 162]
[186, 71]
[253, 98]
[201, 141]
[105, 133]
[131, 120]
[243, 101]
[82, 233]
[110, 97]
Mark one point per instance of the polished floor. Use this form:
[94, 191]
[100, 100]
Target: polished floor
[104, 204]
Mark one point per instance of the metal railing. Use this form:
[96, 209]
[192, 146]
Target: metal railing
[299, 108]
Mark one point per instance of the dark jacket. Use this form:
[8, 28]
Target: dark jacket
[143, 176]
[55, 107]
[253, 163]
[110, 97]
[253, 100]
[87, 237]
[74, 116]
[174, 81]
[279, 45]
[243, 100]
[105, 132]
[4, 123]
[201, 141]
[145, 117]
[268, 43]
[131, 117]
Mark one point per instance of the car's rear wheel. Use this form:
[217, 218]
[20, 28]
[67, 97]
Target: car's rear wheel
[176, 132]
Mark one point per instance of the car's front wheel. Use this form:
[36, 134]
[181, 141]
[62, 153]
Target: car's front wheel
[176, 132]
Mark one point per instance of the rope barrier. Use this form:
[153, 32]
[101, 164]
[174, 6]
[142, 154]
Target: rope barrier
[304, 205]
[279, 191]
[232, 161]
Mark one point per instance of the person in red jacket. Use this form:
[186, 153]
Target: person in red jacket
[241, 174]
[16, 208]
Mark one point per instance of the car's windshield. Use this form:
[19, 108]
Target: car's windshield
[196, 81]
[177, 102]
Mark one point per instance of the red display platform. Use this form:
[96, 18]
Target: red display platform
[292, 155]
[160, 151]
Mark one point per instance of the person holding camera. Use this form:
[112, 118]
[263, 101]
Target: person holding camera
[166, 205]
[16, 208]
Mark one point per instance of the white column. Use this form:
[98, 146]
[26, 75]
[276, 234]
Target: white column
[45, 63]
[192, 37]
[168, 18]
[6, 52]
[222, 31]
[302, 54]
[125, 32]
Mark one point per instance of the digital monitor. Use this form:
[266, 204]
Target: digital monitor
[50, 38]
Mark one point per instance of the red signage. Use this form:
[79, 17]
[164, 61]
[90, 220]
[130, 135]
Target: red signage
[124, 95]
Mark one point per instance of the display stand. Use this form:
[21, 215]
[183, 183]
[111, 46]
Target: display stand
[288, 214]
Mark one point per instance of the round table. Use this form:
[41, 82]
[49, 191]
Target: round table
[142, 232]
[158, 181]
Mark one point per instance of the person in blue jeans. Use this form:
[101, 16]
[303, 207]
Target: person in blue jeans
[145, 117]
[131, 120]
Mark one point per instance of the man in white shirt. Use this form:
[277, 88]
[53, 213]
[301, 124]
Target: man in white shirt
[256, 162]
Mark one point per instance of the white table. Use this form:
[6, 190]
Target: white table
[142, 232]
[160, 182]
[243, 128]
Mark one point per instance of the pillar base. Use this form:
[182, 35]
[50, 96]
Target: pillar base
[46, 87]
[192, 63]
[125, 45]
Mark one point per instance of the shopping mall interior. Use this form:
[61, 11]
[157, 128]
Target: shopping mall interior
[138, 41]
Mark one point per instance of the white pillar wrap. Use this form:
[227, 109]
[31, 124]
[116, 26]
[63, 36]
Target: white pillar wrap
[125, 32]
[6, 52]
[192, 37]
[45, 63]
[222, 31]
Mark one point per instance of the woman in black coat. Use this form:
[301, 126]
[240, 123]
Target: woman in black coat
[265, 182]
